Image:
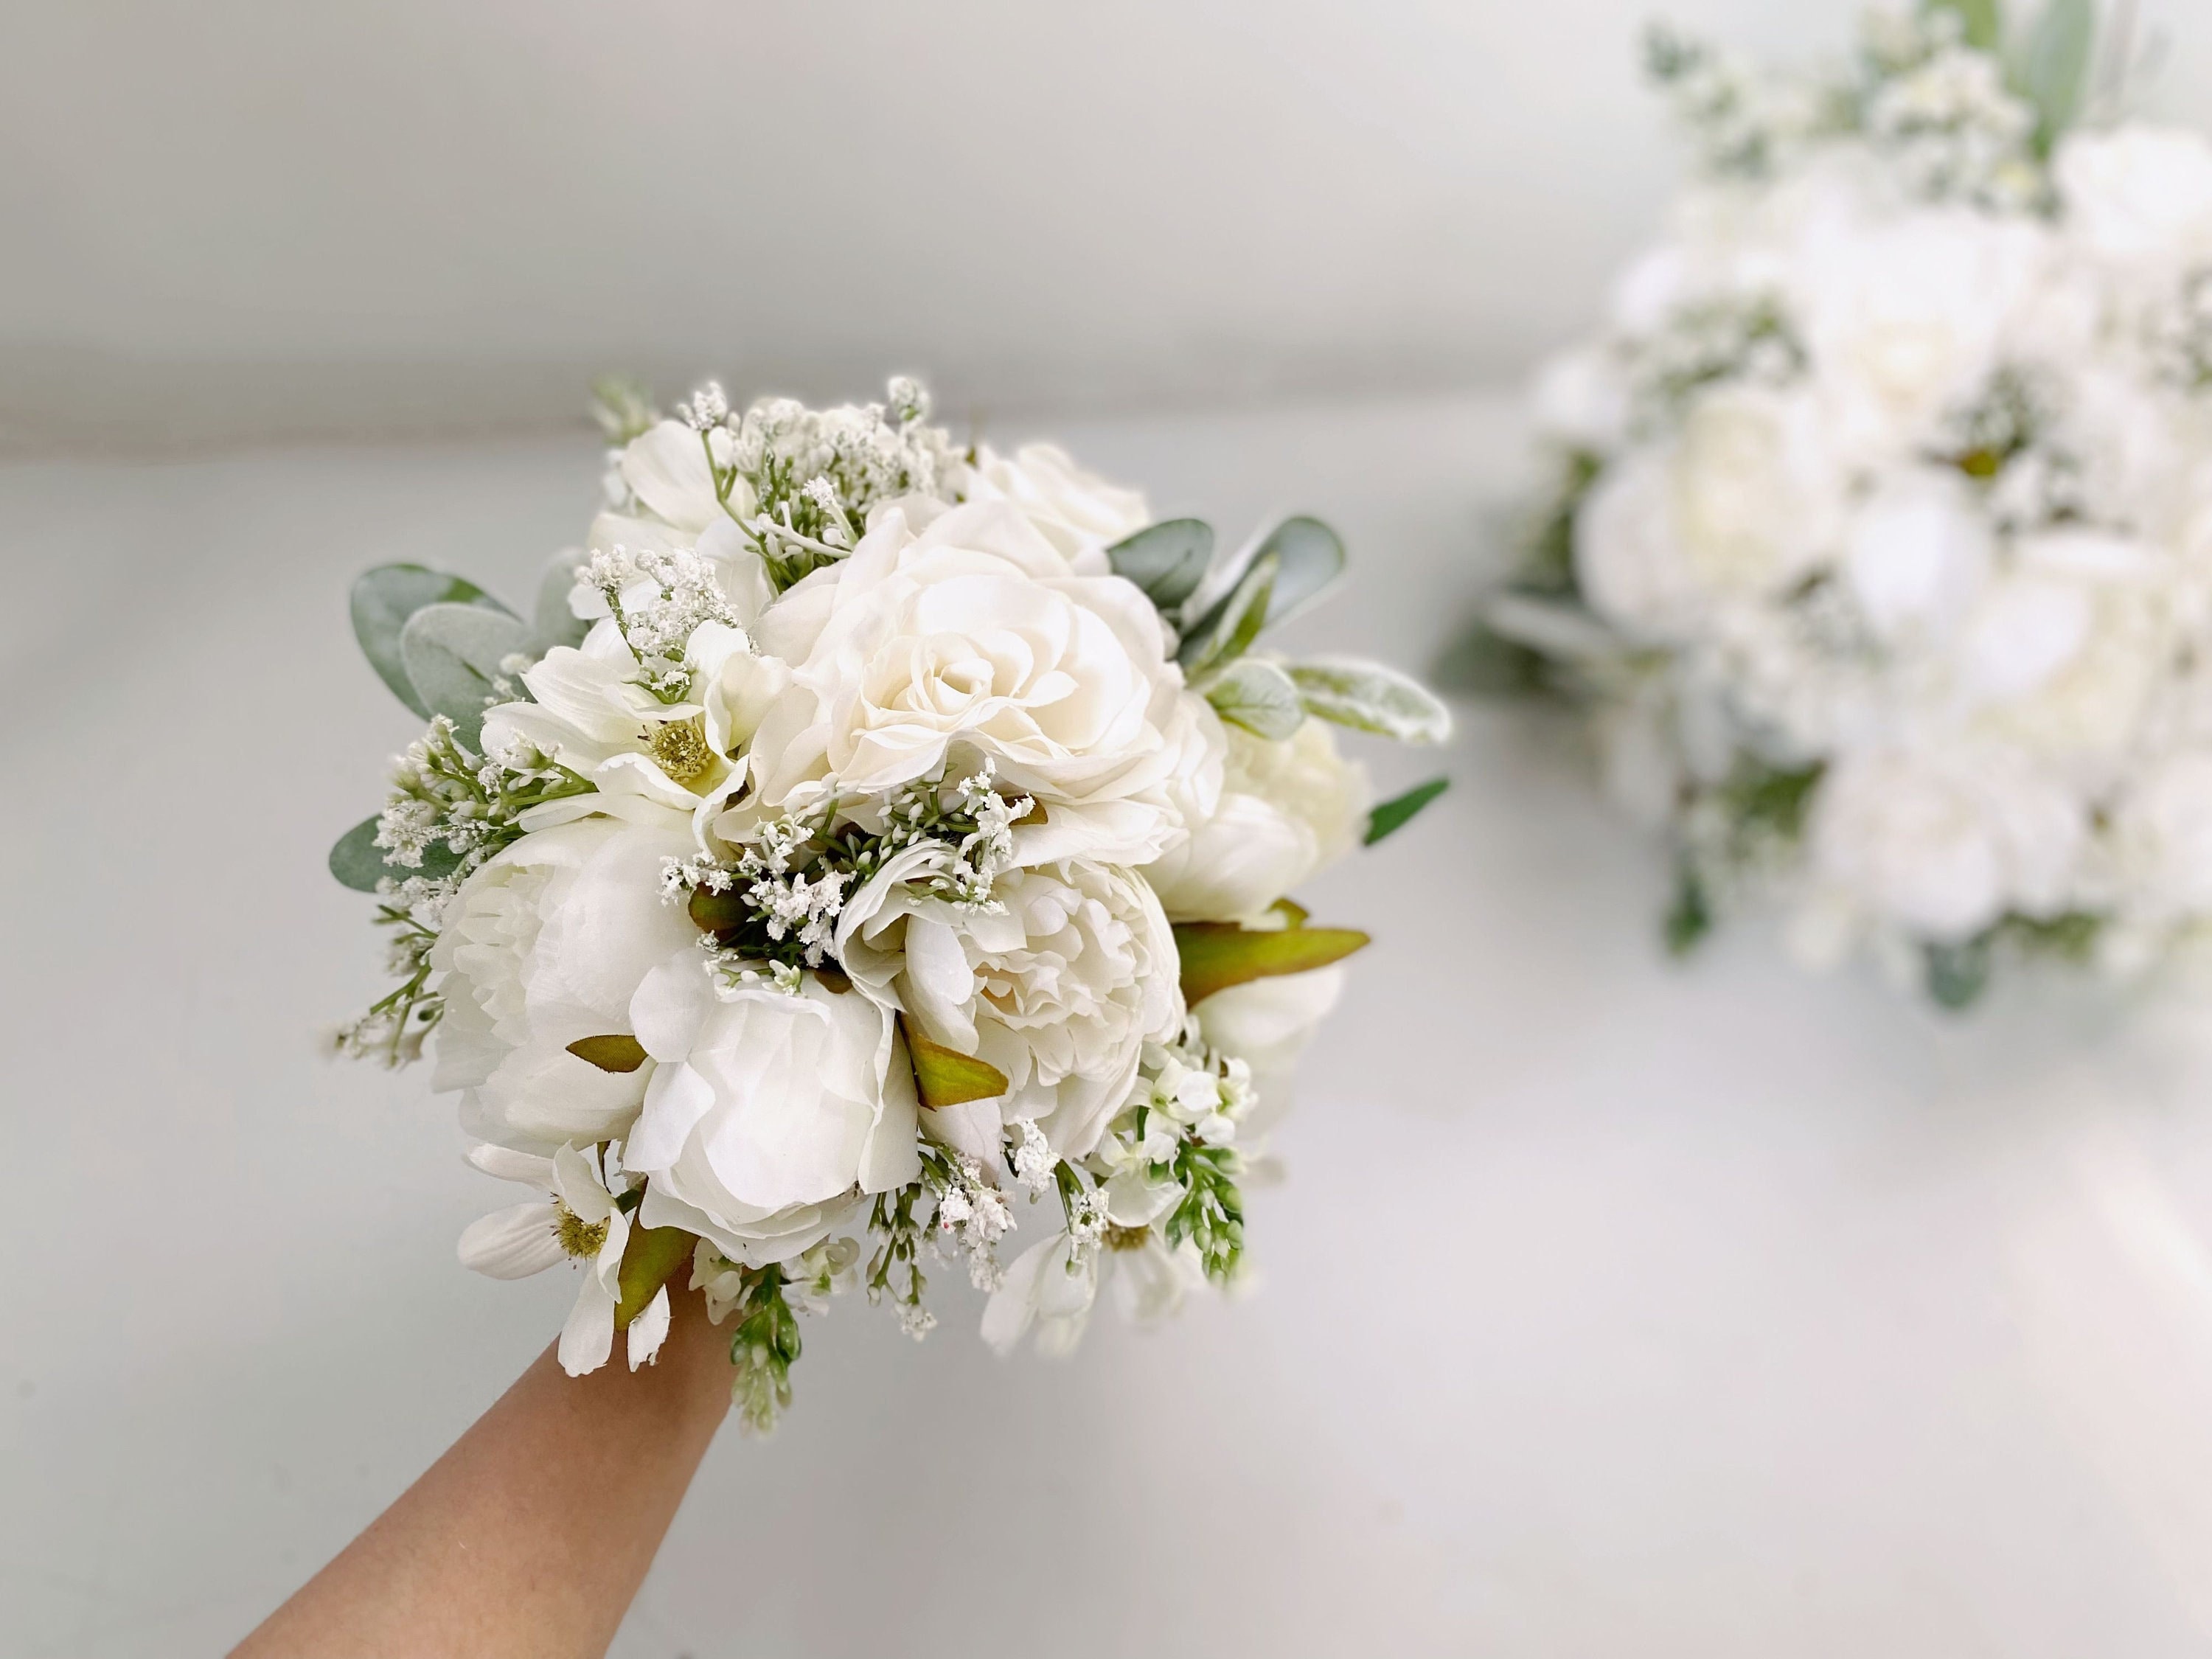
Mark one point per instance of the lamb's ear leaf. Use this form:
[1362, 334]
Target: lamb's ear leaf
[358, 862]
[1226, 631]
[1258, 696]
[2052, 70]
[551, 620]
[650, 1260]
[1394, 814]
[1308, 557]
[1217, 955]
[1168, 560]
[944, 1077]
[1370, 697]
[618, 1051]
[452, 652]
[382, 601]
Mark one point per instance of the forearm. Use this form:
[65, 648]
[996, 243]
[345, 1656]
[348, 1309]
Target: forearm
[530, 1536]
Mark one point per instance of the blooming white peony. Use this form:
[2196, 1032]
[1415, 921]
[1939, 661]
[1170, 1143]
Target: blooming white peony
[967, 626]
[1286, 809]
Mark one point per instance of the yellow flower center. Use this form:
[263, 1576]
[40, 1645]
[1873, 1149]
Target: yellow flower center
[1127, 1238]
[577, 1235]
[680, 748]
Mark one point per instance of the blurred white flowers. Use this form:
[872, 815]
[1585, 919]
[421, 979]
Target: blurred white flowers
[1880, 545]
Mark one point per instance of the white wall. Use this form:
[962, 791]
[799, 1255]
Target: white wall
[237, 218]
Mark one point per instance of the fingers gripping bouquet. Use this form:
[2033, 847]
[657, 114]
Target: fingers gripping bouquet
[867, 849]
[1883, 527]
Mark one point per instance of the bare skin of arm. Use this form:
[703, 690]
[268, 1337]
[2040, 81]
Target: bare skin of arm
[532, 1536]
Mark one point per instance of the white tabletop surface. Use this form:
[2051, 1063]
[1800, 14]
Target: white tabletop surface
[1611, 1308]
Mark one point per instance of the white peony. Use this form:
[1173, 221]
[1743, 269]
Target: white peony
[1743, 500]
[1286, 809]
[1059, 985]
[543, 946]
[2137, 193]
[1079, 512]
[966, 626]
[1944, 842]
[770, 1114]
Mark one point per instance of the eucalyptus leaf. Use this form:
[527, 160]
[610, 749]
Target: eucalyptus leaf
[649, 1261]
[2053, 68]
[1258, 696]
[358, 862]
[944, 1077]
[1370, 697]
[551, 620]
[1308, 557]
[1217, 955]
[1982, 21]
[1167, 560]
[1228, 629]
[385, 598]
[1394, 814]
[451, 654]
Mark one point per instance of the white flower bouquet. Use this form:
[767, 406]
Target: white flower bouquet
[1882, 544]
[863, 842]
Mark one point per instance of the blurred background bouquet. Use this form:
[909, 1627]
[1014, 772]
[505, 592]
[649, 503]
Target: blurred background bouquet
[1879, 542]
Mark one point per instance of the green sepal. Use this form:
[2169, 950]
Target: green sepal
[945, 1077]
[650, 1260]
[618, 1051]
[358, 863]
[1168, 560]
[1394, 814]
[382, 601]
[1217, 955]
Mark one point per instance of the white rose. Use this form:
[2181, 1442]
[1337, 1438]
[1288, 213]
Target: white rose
[965, 626]
[2162, 836]
[2137, 193]
[543, 945]
[1918, 552]
[1077, 511]
[1267, 1024]
[1741, 502]
[769, 1116]
[1059, 988]
[1286, 809]
[1903, 319]
[1943, 844]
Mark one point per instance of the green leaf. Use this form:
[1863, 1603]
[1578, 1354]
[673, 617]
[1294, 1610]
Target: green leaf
[1394, 814]
[1217, 955]
[452, 652]
[385, 598]
[2053, 69]
[618, 1051]
[551, 620]
[1957, 975]
[945, 1077]
[1308, 557]
[1227, 631]
[1167, 560]
[650, 1260]
[1690, 918]
[1484, 663]
[1258, 696]
[358, 862]
[1370, 697]
[1983, 23]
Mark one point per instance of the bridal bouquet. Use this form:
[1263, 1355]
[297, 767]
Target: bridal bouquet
[865, 848]
[1881, 545]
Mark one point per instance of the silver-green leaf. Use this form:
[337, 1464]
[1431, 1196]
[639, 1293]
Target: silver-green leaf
[385, 598]
[1370, 697]
[451, 654]
[1168, 560]
[1258, 696]
[554, 623]
[1309, 558]
[358, 862]
[1228, 628]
